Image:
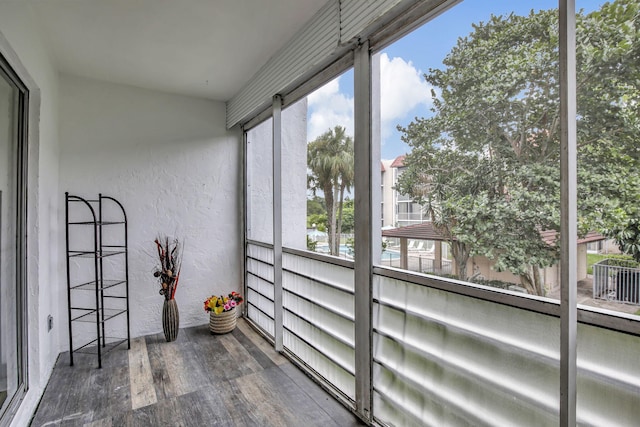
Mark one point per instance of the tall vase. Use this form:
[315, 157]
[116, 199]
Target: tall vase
[170, 319]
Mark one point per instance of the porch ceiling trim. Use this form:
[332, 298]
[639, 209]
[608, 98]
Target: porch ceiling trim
[333, 31]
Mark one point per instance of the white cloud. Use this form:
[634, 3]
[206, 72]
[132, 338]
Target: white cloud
[402, 88]
[329, 108]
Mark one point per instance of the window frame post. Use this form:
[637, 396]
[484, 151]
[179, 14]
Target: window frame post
[568, 212]
[363, 156]
[277, 223]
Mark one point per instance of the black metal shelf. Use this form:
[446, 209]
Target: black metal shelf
[89, 315]
[97, 313]
[91, 254]
[96, 223]
[106, 284]
[91, 348]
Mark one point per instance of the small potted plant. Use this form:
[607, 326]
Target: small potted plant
[222, 312]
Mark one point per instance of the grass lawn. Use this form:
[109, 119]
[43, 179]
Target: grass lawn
[593, 258]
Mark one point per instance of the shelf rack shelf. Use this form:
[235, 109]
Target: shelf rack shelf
[99, 311]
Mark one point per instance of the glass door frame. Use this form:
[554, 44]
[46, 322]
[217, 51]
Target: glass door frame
[21, 174]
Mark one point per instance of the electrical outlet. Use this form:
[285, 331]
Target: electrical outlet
[49, 322]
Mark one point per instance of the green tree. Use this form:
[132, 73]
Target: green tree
[485, 164]
[627, 232]
[320, 221]
[330, 162]
[348, 216]
[609, 122]
[311, 244]
[316, 206]
[316, 213]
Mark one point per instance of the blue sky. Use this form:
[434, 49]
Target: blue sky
[404, 92]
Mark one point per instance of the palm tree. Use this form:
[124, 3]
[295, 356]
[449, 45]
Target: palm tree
[346, 177]
[330, 161]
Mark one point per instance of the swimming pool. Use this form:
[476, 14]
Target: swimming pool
[347, 252]
[344, 249]
[389, 255]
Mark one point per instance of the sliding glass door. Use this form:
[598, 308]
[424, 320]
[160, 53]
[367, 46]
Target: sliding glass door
[13, 107]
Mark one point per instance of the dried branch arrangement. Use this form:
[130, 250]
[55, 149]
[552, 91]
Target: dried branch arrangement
[168, 273]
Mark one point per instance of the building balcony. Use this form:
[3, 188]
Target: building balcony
[413, 217]
[201, 132]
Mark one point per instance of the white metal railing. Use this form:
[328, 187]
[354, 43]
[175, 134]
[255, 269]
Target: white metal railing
[410, 216]
[318, 312]
[318, 303]
[441, 357]
[444, 352]
[259, 276]
[616, 282]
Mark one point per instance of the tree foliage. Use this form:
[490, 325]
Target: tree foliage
[317, 213]
[330, 162]
[316, 206]
[348, 216]
[319, 220]
[486, 162]
[609, 122]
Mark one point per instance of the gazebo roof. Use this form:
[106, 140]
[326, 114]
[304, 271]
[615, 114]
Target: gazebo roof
[426, 231]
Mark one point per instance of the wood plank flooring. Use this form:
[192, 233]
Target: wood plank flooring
[199, 380]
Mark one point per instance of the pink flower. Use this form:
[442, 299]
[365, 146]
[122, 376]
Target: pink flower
[232, 303]
[227, 307]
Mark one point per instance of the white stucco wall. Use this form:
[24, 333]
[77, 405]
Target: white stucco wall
[176, 169]
[294, 178]
[260, 182]
[22, 45]
[294, 175]
[581, 256]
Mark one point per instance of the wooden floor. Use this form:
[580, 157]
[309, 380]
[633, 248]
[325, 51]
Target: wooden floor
[199, 380]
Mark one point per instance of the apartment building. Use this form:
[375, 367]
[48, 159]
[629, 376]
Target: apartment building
[398, 210]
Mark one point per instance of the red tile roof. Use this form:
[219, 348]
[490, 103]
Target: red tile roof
[551, 236]
[398, 162]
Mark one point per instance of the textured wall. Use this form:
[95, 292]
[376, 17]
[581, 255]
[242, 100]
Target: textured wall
[177, 171]
[294, 178]
[260, 182]
[294, 175]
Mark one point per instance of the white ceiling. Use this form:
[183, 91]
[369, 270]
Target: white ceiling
[206, 48]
